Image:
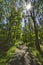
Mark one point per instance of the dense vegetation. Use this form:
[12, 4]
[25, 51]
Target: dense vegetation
[13, 31]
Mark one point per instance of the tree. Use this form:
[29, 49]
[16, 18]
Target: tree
[10, 28]
[36, 10]
[35, 26]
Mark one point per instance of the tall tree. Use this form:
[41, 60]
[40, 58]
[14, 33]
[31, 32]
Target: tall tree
[34, 12]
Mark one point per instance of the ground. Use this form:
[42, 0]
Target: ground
[22, 56]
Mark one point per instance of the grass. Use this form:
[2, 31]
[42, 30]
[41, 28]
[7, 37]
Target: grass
[37, 54]
[9, 54]
[12, 50]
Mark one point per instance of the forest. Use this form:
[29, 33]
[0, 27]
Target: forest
[21, 32]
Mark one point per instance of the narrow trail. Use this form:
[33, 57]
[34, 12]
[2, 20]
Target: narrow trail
[22, 56]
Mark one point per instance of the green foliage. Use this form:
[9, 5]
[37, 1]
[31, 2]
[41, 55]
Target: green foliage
[12, 33]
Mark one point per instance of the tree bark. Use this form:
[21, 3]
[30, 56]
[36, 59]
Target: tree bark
[36, 35]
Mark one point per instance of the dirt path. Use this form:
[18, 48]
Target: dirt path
[22, 56]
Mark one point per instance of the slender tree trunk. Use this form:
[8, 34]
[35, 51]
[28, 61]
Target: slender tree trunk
[36, 35]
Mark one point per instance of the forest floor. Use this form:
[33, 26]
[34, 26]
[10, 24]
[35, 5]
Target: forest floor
[30, 56]
[23, 56]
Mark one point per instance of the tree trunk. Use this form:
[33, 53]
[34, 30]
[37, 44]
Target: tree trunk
[36, 35]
